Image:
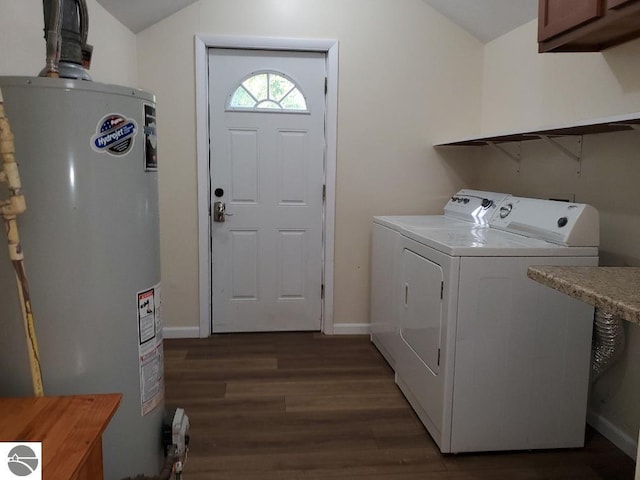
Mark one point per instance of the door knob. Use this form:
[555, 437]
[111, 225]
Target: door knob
[218, 211]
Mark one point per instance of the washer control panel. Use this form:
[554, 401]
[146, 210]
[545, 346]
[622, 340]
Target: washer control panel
[564, 223]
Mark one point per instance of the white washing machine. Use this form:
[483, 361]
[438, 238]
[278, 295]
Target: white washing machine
[489, 359]
[465, 208]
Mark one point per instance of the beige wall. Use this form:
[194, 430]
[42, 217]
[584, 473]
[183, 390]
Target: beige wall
[407, 78]
[525, 89]
[406, 75]
[22, 46]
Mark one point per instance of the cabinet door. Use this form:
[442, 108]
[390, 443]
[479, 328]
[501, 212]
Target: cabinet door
[558, 16]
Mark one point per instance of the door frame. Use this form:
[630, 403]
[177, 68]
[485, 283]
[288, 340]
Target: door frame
[203, 42]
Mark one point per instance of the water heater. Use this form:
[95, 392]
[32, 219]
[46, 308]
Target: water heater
[87, 158]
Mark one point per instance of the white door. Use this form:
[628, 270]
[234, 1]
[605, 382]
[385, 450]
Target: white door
[267, 113]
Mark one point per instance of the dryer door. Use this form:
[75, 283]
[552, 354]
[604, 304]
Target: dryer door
[421, 317]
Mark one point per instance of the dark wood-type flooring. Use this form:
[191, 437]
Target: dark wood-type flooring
[303, 406]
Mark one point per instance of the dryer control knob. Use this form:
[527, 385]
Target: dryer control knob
[562, 221]
[486, 203]
[505, 210]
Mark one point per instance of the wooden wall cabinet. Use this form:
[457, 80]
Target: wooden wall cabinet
[559, 16]
[586, 25]
[618, 3]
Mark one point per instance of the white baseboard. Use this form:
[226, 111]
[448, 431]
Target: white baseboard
[338, 329]
[613, 433]
[351, 328]
[181, 332]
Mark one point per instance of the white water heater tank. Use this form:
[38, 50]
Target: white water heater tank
[87, 158]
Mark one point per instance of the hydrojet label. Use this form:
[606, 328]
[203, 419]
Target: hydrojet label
[115, 135]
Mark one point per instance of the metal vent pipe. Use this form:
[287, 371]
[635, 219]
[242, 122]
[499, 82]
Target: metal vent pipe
[608, 342]
[66, 27]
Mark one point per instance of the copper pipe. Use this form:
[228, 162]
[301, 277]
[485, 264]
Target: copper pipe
[10, 209]
[53, 27]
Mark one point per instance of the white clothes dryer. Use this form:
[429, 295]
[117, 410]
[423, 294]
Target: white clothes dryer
[465, 208]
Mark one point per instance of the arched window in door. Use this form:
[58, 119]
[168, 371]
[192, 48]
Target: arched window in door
[267, 91]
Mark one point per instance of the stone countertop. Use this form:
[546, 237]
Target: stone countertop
[614, 290]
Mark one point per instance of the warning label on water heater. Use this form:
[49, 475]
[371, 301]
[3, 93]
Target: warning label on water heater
[115, 135]
[150, 139]
[150, 353]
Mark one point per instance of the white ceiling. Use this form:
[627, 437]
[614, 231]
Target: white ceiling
[137, 15]
[484, 19]
[487, 19]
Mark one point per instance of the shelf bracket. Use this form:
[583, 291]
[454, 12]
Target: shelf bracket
[513, 156]
[577, 156]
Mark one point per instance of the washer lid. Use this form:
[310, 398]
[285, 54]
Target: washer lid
[488, 242]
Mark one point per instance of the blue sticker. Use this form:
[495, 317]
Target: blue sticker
[115, 135]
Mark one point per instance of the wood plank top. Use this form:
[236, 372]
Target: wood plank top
[69, 427]
[614, 290]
